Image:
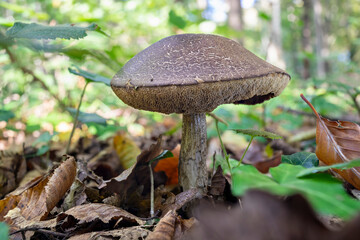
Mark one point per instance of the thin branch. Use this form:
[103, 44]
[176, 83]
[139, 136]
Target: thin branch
[35, 78]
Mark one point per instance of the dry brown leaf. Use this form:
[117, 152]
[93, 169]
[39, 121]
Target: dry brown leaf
[165, 229]
[39, 199]
[181, 199]
[137, 177]
[218, 183]
[12, 170]
[129, 233]
[91, 212]
[266, 164]
[338, 142]
[182, 226]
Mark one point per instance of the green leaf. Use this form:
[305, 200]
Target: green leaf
[6, 115]
[176, 20]
[44, 138]
[163, 155]
[324, 192]
[88, 117]
[264, 16]
[4, 231]
[37, 31]
[91, 77]
[351, 164]
[42, 150]
[257, 133]
[305, 159]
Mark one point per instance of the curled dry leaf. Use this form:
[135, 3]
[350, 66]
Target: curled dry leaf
[218, 183]
[338, 142]
[165, 228]
[181, 200]
[97, 211]
[129, 233]
[42, 195]
[12, 170]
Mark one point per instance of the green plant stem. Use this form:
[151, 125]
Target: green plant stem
[222, 146]
[151, 191]
[76, 118]
[242, 157]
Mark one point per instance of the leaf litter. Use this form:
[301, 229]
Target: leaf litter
[89, 201]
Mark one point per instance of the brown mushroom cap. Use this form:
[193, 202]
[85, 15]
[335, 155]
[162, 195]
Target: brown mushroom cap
[193, 73]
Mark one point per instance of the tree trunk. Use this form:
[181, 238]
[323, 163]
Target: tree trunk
[192, 161]
[235, 16]
[274, 51]
[306, 38]
[319, 43]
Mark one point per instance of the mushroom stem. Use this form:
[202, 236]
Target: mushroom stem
[192, 163]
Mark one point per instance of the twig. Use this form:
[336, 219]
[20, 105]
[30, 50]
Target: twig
[76, 118]
[35, 78]
[301, 113]
[41, 230]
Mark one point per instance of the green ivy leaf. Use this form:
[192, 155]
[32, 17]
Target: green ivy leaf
[90, 77]
[305, 159]
[88, 117]
[257, 133]
[37, 31]
[351, 164]
[323, 191]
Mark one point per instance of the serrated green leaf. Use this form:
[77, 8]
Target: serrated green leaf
[88, 117]
[163, 155]
[37, 31]
[346, 165]
[5, 115]
[323, 191]
[305, 159]
[91, 77]
[257, 133]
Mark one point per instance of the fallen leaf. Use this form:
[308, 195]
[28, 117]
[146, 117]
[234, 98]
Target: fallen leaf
[181, 199]
[170, 166]
[338, 142]
[87, 213]
[264, 165]
[12, 170]
[129, 233]
[182, 226]
[126, 149]
[38, 200]
[165, 229]
[218, 183]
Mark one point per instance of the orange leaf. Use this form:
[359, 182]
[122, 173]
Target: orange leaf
[170, 166]
[338, 142]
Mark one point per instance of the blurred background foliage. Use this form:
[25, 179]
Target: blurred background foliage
[316, 41]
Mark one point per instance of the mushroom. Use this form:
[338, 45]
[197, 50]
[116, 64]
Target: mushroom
[193, 74]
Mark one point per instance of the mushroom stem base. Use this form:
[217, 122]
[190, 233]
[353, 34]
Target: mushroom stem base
[192, 161]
